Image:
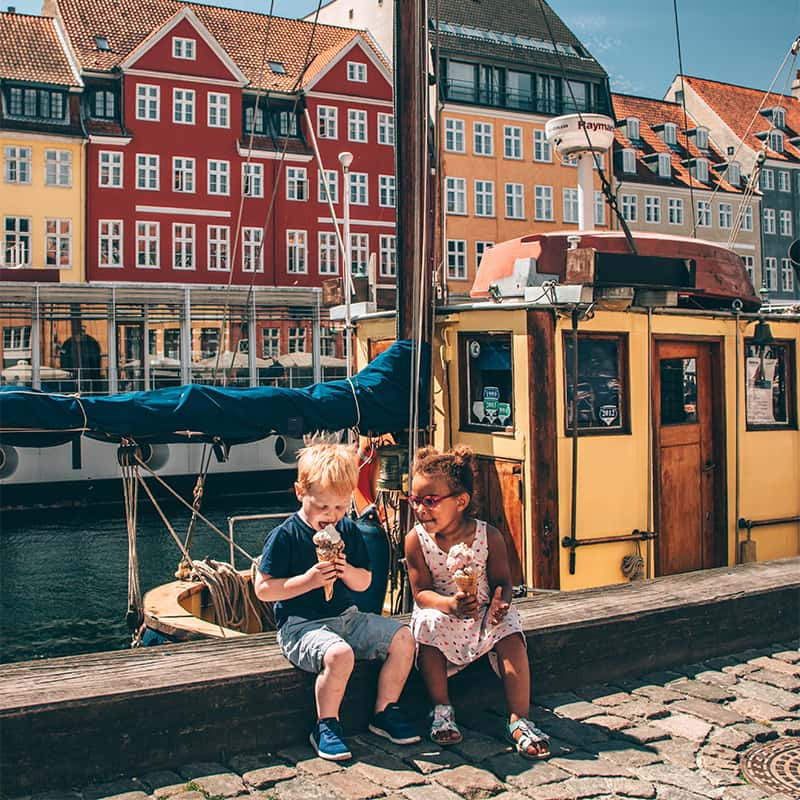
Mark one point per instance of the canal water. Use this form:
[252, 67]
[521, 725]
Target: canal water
[64, 574]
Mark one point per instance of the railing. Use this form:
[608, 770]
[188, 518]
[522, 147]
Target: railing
[250, 518]
[574, 543]
[748, 524]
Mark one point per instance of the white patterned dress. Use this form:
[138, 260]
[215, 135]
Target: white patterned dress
[462, 641]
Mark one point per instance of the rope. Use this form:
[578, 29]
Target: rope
[135, 613]
[228, 592]
[633, 565]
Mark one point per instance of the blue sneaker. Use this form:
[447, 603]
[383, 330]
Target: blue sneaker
[327, 739]
[392, 725]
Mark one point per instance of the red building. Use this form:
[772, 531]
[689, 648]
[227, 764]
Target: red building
[200, 163]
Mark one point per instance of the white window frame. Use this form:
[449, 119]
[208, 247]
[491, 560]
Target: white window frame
[356, 71]
[701, 138]
[632, 128]
[543, 203]
[457, 259]
[297, 184]
[701, 170]
[599, 208]
[675, 210]
[327, 122]
[218, 177]
[183, 169]
[569, 205]
[542, 150]
[359, 189]
[17, 165]
[148, 102]
[703, 213]
[480, 248]
[750, 266]
[183, 105]
[109, 232]
[147, 167]
[53, 232]
[297, 252]
[785, 226]
[725, 216]
[484, 198]
[664, 165]
[779, 117]
[219, 110]
[327, 253]
[784, 181]
[733, 174]
[22, 241]
[386, 191]
[218, 248]
[630, 207]
[270, 342]
[385, 129]
[652, 209]
[456, 196]
[252, 251]
[387, 261]
[455, 140]
[670, 133]
[333, 186]
[183, 245]
[297, 339]
[58, 168]
[747, 218]
[771, 273]
[787, 275]
[184, 48]
[359, 254]
[148, 233]
[110, 169]
[252, 179]
[357, 125]
[629, 161]
[776, 141]
[770, 221]
[767, 179]
[515, 200]
[483, 139]
[512, 142]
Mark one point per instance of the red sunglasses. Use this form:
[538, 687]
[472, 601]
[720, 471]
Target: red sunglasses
[429, 500]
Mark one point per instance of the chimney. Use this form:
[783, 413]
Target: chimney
[796, 85]
[12, 10]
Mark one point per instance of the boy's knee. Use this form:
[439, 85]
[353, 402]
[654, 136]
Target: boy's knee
[339, 657]
[402, 641]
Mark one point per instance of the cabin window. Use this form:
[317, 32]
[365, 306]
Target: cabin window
[601, 401]
[770, 381]
[487, 382]
[678, 391]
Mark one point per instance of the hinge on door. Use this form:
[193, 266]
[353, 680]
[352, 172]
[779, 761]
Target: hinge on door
[520, 490]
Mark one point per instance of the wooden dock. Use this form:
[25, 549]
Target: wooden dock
[72, 721]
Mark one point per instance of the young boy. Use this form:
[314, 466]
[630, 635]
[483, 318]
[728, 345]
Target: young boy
[326, 636]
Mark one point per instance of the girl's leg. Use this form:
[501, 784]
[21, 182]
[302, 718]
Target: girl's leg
[433, 666]
[512, 658]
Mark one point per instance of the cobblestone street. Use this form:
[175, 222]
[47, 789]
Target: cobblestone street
[677, 735]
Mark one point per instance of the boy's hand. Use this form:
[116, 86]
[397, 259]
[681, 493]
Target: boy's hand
[464, 605]
[341, 565]
[498, 608]
[323, 573]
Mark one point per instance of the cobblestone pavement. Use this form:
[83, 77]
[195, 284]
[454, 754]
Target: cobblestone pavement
[676, 735]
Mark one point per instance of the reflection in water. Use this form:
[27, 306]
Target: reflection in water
[63, 585]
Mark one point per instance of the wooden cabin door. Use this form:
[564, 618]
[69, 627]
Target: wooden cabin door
[500, 500]
[689, 458]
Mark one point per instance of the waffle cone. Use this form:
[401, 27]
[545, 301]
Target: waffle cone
[328, 554]
[467, 583]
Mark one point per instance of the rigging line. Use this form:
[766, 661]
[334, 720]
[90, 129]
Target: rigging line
[685, 122]
[607, 189]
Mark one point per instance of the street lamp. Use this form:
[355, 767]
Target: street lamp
[346, 159]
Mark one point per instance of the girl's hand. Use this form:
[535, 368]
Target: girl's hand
[498, 608]
[464, 605]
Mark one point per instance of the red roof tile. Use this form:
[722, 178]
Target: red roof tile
[32, 51]
[652, 113]
[241, 33]
[738, 106]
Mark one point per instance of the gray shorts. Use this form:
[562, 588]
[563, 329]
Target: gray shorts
[305, 641]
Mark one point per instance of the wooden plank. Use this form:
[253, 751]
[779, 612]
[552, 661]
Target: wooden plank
[89, 718]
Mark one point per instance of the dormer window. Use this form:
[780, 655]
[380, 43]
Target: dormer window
[779, 117]
[183, 48]
[701, 138]
[629, 161]
[632, 128]
[277, 67]
[776, 141]
[733, 174]
[670, 133]
[356, 71]
[103, 104]
[699, 169]
[101, 43]
[664, 165]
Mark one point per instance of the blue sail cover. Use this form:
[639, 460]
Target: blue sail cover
[377, 401]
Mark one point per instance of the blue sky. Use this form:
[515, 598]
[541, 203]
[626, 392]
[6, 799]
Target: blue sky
[726, 40]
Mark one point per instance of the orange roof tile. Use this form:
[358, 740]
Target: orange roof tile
[240, 33]
[652, 113]
[738, 106]
[32, 51]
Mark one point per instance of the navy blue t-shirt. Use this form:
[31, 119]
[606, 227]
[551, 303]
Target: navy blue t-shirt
[289, 550]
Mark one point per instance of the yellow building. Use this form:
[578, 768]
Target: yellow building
[42, 148]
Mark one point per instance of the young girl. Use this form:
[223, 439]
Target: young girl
[453, 628]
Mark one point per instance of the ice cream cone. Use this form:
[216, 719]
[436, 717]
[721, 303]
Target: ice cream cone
[327, 554]
[466, 582]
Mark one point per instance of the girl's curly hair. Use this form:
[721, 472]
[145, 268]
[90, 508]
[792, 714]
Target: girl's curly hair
[456, 466]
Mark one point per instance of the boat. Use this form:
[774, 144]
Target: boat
[105, 339]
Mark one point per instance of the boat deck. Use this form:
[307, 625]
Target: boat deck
[93, 717]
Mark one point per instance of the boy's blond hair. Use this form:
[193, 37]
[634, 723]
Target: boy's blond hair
[329, 466]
